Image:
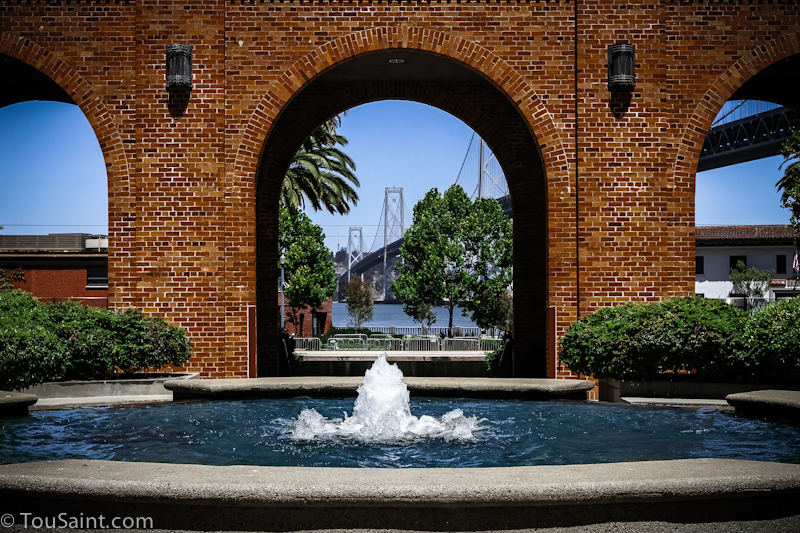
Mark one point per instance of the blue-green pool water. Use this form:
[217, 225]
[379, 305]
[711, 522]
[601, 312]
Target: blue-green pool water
[510, 433]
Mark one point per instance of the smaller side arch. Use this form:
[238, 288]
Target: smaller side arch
[750, 64]
[120, 200]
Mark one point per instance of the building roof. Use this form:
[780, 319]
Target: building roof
[55, 243]
[743, 235]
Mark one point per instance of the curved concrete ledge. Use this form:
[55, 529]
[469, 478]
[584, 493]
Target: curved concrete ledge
[346, 386]
[197, 497]
[16, 403]
[782, 404]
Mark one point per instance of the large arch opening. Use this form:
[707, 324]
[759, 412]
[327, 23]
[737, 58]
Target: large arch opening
[738, 216]
[55, 202]
[457, 89]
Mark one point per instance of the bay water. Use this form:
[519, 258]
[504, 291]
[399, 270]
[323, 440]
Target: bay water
[393, 315]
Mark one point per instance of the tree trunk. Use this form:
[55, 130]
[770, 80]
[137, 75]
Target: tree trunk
[450, 326]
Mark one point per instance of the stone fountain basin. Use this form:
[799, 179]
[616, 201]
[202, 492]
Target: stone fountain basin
[198, 497]
[328, 386]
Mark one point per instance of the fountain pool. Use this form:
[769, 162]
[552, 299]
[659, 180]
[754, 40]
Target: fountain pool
[151, 479]
[385, 428]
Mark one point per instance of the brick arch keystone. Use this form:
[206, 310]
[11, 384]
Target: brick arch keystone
[746, 67]
[117, 167]
[471, 54]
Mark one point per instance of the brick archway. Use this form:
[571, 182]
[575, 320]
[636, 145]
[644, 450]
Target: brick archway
[509, 128]
[694, 132]
[507, 79]
[120, 200]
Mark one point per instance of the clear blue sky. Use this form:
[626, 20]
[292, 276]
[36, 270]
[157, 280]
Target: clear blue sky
[54, 181]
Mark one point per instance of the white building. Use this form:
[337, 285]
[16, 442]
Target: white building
[719, 248]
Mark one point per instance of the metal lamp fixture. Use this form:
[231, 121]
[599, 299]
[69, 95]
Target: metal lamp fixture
[621, 66]
[179, 66]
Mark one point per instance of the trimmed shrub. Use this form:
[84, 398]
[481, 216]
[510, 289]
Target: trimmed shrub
[643, 340]
[773, 338]
[44, 342]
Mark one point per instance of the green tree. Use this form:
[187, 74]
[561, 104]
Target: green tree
[750, 281]
[454, 251]
[789, 184]
[492, 310]
[308, 273]
[9, 276]
[358, 295]
[321, 174]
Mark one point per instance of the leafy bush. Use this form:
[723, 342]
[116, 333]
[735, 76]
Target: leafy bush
[643, 340]
[773, 338]
[44, 342]
[333, 330]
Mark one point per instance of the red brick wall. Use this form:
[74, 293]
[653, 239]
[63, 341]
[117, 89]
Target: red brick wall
[192, 199]
[307, 319]
[58, 284]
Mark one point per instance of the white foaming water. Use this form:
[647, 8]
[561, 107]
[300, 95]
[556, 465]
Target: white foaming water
[382, 414]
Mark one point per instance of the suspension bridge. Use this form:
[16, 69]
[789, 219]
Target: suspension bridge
[743, 131]
[480, 176]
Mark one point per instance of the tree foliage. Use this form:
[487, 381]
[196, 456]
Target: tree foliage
[7, 277]
[358, 295]
[751, 282]
[321, 173]
[456, 250]
[789, 184]
[308, 273]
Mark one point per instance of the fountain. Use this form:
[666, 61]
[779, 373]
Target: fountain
[278, 498]
[382, 414]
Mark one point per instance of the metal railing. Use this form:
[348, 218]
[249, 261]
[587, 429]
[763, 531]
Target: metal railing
[461, 344]
[387, 343]
[312, 344]
[416, 331]
[421, 344]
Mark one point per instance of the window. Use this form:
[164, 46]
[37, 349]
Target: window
[699, 265]
[780, 265]
[97, 276]
[735, 260]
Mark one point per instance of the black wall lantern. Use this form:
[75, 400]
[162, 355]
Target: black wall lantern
[179, 66]
[179, 78]
[621, 77]
[621, 65]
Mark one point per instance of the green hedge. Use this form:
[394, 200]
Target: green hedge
[56, 342]
[721, 343]
[773, 338]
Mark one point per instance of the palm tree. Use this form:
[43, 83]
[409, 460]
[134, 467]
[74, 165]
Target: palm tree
[321, 174]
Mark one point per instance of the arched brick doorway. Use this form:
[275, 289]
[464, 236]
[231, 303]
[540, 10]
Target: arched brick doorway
[768, 72]
[40, 74]
[456, 88]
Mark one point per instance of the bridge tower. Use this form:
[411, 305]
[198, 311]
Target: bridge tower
[488, 181]
[394, 226]
[355, 248]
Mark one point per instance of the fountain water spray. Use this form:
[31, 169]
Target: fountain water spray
[381, 413]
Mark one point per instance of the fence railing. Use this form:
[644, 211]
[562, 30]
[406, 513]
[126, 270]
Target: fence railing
[385, 342]
[416, 331]
[461, 344]
[421, 344]
[312, 344]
